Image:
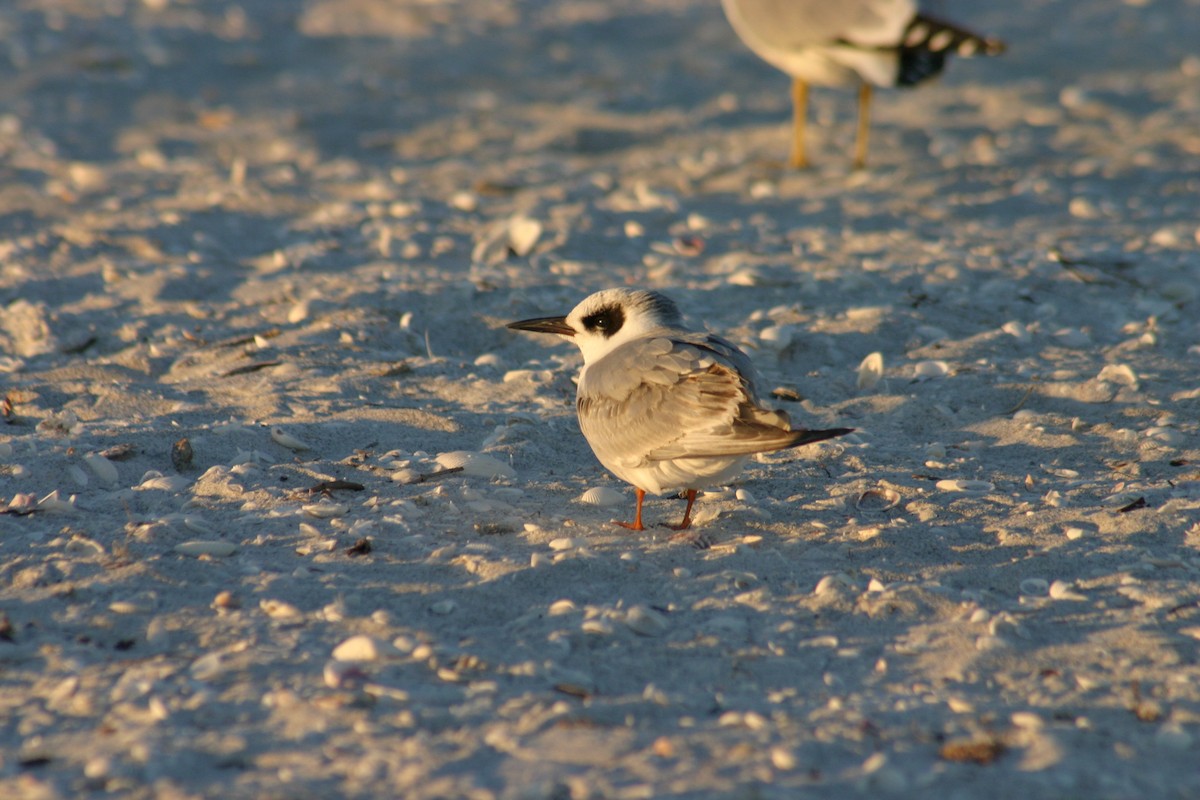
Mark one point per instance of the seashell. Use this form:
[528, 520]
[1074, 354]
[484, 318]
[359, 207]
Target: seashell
[1016, 330]
[523, 234]
[194, 523]
[744, 496]
[645, 621]
[927, 370]
[476, 464]
[1120, 374]
[126, 607]
[1035, 587]
[326, 510]
[778, 336]
[299, 312]
[967, 487]
[361, 648]
[202, 547]
[601, 496]
[878, 500]
[103, 469]
[206, 667]
[78, 475]
[64, 423]
[598, 626]
[1061, 590]
[560, 607]
[565, 543]
[1163, 435]
[52, 502]
[155, 480]
[870, 371]
[342, 674]
[443, 607]
[831, 584]
[285, 439]
[278, 609]
[488, 360]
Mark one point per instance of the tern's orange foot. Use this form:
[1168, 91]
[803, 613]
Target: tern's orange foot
[633, 526]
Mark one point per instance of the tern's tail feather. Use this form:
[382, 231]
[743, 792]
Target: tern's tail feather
[803, 436]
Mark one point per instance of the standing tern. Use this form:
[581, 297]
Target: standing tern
[666, 408]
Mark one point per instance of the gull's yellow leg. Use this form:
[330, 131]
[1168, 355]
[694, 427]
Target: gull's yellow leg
[799, 117]
[864, 126]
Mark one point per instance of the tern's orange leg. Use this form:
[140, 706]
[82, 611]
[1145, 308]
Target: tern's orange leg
[799, 117]
[864, 126]
[687, 514]
[636, 525]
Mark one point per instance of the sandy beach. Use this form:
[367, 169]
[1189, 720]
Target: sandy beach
[290, 513]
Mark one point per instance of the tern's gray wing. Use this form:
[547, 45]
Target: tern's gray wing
[678, 396]
[794, 24]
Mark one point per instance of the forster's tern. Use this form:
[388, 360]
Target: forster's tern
[833, 43]
[663, 407]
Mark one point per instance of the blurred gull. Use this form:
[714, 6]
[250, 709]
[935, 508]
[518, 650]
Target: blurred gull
[835, 42]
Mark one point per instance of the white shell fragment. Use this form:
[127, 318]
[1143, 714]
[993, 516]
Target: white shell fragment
[928, 370]
[966, 487]
[155, 480]
[602, 496]
[645, 621]
[326, 510]
[278, 609]
[362, 648]
[103, 469]
[870, 371]
[476, 464]
[523, 234]
[1120, 374]
[565, 543]
[877, 500]
[204, 547]
[285, 439]
[53, 502]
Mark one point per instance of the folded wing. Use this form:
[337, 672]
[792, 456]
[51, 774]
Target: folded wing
[665, 398]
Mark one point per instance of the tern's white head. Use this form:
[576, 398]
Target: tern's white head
[608, 319]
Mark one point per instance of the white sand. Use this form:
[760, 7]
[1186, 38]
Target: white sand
[218, 221]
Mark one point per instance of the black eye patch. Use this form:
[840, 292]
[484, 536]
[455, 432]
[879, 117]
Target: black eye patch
[606, 321]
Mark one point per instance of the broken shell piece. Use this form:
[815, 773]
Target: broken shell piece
[645, 621]
[52, 502]
[201, 547]
[523, 234]
[278, 609]
[156, 480]
[927, 370]
[967, 487]
[326, 510]
[285, 439]
[1120, 374]
[877, 500]
[602, 496]
[477, 464]
[22, 504]
[103, 469]
[870, 371]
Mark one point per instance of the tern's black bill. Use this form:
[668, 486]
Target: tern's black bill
[544, 325]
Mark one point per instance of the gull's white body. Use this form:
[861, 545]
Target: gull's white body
[663, 407]
[825, 42]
